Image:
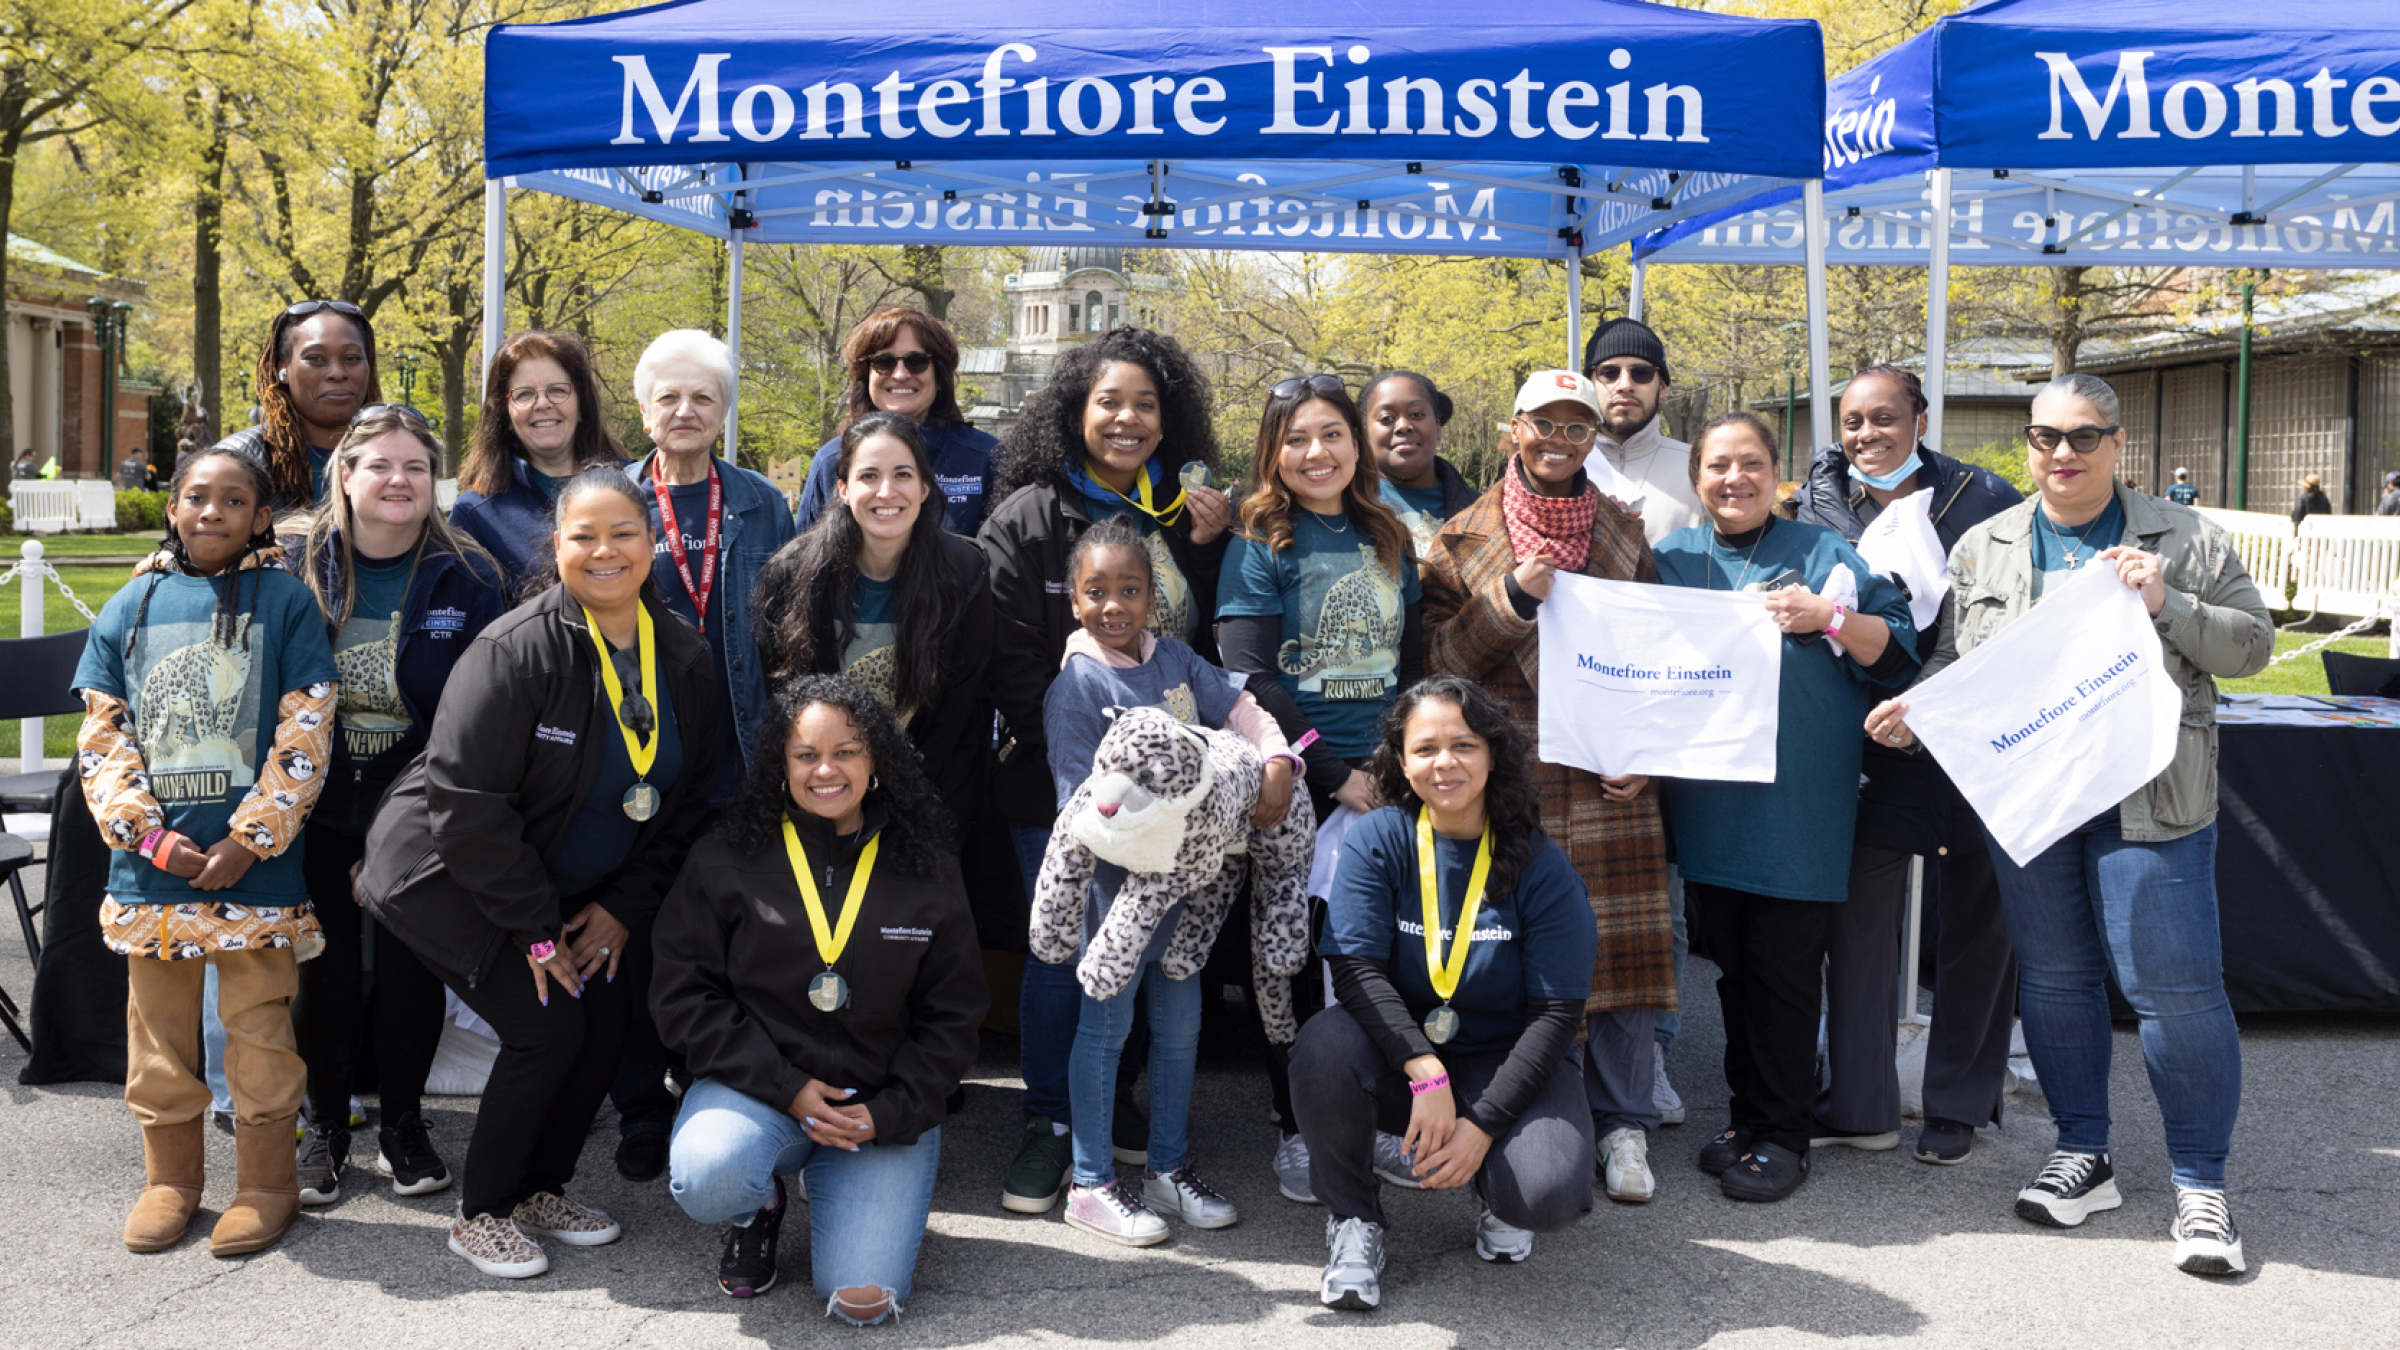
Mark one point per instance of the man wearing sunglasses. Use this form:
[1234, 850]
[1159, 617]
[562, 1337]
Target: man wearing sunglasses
[1627, 364]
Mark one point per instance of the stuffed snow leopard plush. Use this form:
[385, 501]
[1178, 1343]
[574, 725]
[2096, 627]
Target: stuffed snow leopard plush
[1171, 805]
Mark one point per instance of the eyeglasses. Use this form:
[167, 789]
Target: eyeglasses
[2082, 440]
[1315, 384]
[559, 395]
[1639, 374]
[885, 362]
[1573, 433]
[308, 307]
[402, 410]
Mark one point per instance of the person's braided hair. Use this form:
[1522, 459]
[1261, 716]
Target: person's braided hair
[279, 428]
[226, 625]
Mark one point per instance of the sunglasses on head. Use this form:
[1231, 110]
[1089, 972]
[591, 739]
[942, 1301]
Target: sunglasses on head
[1573, 433]
[308, 307]
[1639, 374]
[405, 412]
[885, 362]
[2082, 440]
[1315, 384]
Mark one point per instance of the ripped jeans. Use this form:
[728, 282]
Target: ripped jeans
[866, 1210]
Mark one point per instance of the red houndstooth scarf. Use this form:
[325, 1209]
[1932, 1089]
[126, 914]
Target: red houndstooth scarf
[1558, 526]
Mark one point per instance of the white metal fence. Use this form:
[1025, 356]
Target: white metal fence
[49, 506]
[2345, 565]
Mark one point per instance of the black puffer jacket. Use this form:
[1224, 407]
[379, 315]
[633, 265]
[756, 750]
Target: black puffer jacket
[1908, 803]
[458, 860]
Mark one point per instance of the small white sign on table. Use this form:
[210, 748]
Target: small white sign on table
[2059, 717]
[1659, 680]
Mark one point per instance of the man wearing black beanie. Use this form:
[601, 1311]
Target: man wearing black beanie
[1629, 364]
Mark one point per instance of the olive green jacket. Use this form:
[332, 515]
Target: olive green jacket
[2213, 626]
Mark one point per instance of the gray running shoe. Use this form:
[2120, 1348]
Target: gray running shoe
[1291, 1170]
[1353, 1265]
[1497, 1242]
[1392, 1162]
[1662, 1092]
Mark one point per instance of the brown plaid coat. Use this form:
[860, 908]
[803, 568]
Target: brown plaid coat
[1618, 848]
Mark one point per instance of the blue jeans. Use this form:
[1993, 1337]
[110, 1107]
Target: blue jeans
[2092, 903]
[1174, 1051]
[1047, 1004]
[212, 1045]
[866, 1210]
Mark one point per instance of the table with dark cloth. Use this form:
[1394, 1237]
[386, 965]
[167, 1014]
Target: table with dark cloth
[2308, 867]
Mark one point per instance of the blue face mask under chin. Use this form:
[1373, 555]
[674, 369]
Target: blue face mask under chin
[1890, 480]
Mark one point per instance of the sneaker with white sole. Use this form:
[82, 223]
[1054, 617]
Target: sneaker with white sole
[2070, 1188]
[555, 1216]
[1112, 1211]
[404, 1152]
[1497, 1242]
[1880, 1141]
[1291, 1171]
[1353, 1265]
[1662, 1092]
[2206, 1242]
[1625, 1166]
[1183, 1194]
[324, 1156]
[1392, 1162]
[495, 1246]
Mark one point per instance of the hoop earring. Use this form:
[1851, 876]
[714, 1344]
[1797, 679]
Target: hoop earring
[873, 782]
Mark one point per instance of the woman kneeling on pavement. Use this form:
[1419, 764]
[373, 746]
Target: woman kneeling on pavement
[1461, 949]
[817, 969]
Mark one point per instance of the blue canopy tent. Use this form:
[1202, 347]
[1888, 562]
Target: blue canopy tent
[1549, 131]
[2139, 133]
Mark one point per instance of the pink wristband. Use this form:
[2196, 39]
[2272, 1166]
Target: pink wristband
[149, 844]
[542, 951]
[1434, 1084]
[1305, 741]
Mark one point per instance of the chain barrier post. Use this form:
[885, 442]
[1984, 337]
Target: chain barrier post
[29, 624]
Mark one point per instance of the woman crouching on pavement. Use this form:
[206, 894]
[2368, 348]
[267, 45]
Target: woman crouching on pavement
[817, 969]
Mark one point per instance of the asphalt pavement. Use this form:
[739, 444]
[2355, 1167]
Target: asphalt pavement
[1875, 1249]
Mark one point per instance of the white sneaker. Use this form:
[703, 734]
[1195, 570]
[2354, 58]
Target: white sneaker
[1662, 1092]
[2206, 1242]
[1353, 1265]
[1498, 1242]
[1183, 1194]
[1392, 1162]
[1291, 1171]
[1111, 1212]
[1625, 1166]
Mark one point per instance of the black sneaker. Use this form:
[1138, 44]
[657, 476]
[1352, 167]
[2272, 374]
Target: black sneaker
[1768, 1172]
[642, 1155]
[2071, 1188]
[324, 1151]
[406, 1156]
[1945, 1143]
[747, 1269]
[1724, 1151]
[2206, 1242]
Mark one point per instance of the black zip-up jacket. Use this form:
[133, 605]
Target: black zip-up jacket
[450, 602]
[736, 953]
[458, 860]
[1908, 803]
[1027, 539]
[949, 735]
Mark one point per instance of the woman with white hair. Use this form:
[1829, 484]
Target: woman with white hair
[718, 524]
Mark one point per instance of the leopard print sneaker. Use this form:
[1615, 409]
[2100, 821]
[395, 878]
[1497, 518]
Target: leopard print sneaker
[576, 1225]
[494, 1246]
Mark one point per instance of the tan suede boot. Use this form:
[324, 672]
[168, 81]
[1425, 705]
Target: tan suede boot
[266, 1194]
[175, 1159]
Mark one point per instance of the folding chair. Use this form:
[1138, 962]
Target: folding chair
[40, 683]
[2357, 675]
[15, 856]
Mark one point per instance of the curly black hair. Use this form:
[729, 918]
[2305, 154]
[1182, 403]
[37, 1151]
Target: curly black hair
[1048, 435]
[917, 833]
[1511, 803]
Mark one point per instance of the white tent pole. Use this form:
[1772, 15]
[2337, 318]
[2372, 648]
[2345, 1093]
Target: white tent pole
[495, 271]
[1574, 309]
[733, 343]
[1634, 300]
[1937, 312]
[1820, 362]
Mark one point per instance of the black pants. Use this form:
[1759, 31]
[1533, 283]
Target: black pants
[1974, 991]
[1772, 954]
[402, 1004]
[639, 1087]
[553, 1069]
[1537, 1176]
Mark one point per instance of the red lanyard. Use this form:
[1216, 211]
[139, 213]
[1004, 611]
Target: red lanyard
[666, 519]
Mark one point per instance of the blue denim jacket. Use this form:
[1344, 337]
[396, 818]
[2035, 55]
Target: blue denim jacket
[757, 522]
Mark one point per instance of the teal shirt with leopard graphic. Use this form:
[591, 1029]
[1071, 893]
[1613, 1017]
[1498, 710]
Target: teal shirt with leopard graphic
[1343, 613]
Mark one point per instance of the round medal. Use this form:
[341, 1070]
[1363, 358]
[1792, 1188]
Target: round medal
[828, 993]
[1441, 1024]
[641, 801]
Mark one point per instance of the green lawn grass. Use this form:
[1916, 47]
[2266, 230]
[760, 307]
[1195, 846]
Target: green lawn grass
[2303, 675]
[94, 585]
[80, 545]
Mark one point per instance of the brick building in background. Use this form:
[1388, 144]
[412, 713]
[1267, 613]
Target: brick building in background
[55, 371]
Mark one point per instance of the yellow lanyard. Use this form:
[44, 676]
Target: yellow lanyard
[642, 755]
[1445, 975]
[830, 942]
[1141, 484]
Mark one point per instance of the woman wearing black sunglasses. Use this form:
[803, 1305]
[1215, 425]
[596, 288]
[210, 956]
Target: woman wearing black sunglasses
[315, 373]
[903, 360]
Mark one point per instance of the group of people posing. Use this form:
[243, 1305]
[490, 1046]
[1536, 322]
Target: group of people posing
[672, 789]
